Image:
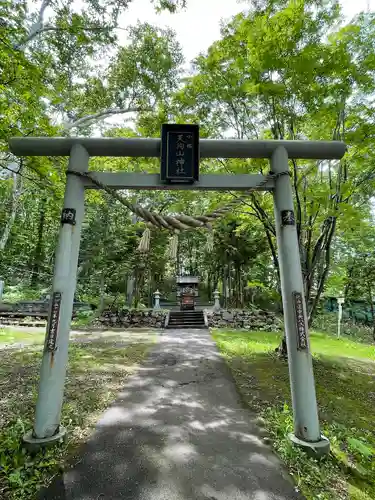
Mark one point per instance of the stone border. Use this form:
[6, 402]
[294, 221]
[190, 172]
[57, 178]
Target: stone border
[132, 318]
[255, 319]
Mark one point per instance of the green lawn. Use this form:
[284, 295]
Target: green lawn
[97, 370]
[11, 336]
[345, 383]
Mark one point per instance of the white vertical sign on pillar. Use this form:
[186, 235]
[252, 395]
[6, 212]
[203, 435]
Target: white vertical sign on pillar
[55, 356]
[305, 411]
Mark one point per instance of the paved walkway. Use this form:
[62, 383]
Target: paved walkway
[178, 431]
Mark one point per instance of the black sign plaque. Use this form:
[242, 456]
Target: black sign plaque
[179, 161]
[300, 321]
[53, 322]
[287, 218]
[68, 216]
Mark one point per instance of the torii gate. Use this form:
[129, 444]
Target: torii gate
[47, 428]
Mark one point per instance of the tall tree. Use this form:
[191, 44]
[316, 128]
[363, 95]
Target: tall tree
[288, 70]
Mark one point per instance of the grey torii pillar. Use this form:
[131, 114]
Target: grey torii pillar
[47, 428]
[305, 412]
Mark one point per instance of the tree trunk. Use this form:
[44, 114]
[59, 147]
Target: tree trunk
[136, 288]
[150, 288]
[101, 287]
[349, 275]
[229, 287]
[242, 301]
[16, 193]
[236, 288]
[225, 288]
[130, 290]
[322, 277]
[282, 349]
[370, 297]
[239, 288]
[190, 256]
[209, 286]
[38, 254]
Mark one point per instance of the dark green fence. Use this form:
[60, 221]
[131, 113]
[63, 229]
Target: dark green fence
[357, 310]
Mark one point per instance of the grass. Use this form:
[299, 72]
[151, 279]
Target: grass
[345, 382]
[357, 331]
[96, 372]
[9, 336]
[84, 318]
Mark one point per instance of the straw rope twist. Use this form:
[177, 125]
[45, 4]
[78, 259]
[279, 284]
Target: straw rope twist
[178, 222]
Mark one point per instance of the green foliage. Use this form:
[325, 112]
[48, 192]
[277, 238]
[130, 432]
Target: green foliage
[83, 318]
[344, 372]
[361, 448]
[9, 336]
[280, 70]
[350, 327]
[21, 474]
[96, 372]
[291, 70]
[15, 293]
[171, 5]
[313, 478]
[147, 67]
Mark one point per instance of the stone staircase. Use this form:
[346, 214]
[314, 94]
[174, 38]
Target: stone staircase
[186, 319]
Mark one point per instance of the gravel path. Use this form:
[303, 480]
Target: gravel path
[178, 431]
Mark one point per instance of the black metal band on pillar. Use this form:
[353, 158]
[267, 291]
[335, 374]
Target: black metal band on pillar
[287, 218]
[68, 216]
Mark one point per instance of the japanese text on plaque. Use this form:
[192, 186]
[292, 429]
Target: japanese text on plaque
[181, 146]
[300, 321]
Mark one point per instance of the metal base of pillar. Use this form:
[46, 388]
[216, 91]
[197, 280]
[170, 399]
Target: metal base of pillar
[317, 449]
[34, 444]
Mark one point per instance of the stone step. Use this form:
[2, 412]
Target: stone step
[186, 313]
[186, 319]
[182, 318]
[198, 323]
[187, 326]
